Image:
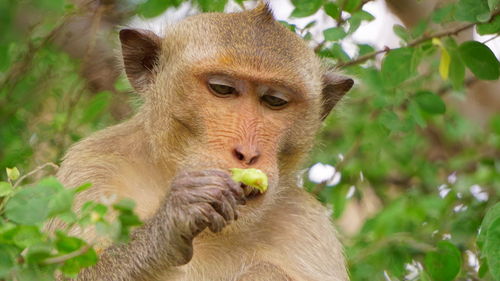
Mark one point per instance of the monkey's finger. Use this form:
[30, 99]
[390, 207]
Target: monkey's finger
[238, 192]
[223, 206]
[216, 222]
[235, 188]
[209, 177]
[222, 200]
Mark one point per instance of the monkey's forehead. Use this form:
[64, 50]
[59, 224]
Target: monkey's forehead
[259, 42]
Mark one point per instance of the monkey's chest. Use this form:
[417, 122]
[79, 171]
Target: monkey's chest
[222, 265]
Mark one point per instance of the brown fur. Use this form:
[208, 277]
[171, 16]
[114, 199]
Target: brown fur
[285, 234]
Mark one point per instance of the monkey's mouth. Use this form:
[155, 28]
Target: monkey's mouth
[250, 192]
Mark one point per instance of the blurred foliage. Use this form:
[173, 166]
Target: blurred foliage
[29, 252]
[433, 171]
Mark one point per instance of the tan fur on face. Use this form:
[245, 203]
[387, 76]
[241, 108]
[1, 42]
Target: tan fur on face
[283, 235]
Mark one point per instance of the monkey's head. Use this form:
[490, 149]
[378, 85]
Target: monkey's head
[231, 91]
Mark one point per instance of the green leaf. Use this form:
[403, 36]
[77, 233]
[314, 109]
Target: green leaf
[457, 67]
[390, 120]
[292, 27]
[492, 27]
[445, 60]
[492, 215]
[356, 19]
[352, 5]
[26, 236]
[73, 266]
[365, 49]
[443, 264]
[401, 32]
[335, 51]
[416, 114]
[35, 272]
[480, 60]
[5, 188]
[61, 202]
[492, 248]
[67, 244]
[472, 10]
[305, 8]
[37, 198]
[212, 5]
[12, 173]
[332, 10]
[310, 25]
[83, 187]
[124, 205]
[397, 66]
[430, 102]
[419, 29]
[334, 33]
[38, 252]
[153, 8]
[444, 14]
[8, 255]
[493, 5]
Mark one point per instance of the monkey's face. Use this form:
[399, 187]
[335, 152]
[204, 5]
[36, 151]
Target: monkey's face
[244, 120]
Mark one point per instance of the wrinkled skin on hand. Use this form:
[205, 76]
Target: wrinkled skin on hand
[200, 200]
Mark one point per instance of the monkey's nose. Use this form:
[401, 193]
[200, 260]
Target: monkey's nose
[246, 155]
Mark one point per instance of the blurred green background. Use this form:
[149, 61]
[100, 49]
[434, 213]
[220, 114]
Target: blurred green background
[415, 145]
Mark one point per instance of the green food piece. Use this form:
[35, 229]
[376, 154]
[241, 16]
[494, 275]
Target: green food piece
[251, 177]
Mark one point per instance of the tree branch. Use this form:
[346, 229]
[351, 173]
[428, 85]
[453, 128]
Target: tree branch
[63, 258]
[414, 43]
[35, 171]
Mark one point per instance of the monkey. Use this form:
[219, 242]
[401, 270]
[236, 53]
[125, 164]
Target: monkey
[220, 90]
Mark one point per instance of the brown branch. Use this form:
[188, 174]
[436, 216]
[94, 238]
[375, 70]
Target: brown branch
[414, 43]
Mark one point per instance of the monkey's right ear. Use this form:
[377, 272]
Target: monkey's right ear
[140, 51]
[335, 86]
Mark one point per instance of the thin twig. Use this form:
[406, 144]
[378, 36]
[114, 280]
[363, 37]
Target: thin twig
[414, 43]
[491, 39]
[63, 258]
[36, 170]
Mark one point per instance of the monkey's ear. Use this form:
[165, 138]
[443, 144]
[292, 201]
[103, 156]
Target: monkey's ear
[335, 86]
[140, 51]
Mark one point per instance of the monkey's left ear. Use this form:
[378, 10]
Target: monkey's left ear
[140, 50]
[335, 86]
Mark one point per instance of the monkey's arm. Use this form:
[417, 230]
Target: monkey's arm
[150, 251]
[195, 201]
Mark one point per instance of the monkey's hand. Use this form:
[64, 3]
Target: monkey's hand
[200, 200]
[197, 200]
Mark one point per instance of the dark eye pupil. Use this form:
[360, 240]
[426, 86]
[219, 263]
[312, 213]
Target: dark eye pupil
[274, 101]
[222, 89]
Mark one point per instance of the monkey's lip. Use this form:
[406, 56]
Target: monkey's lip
[250, 192]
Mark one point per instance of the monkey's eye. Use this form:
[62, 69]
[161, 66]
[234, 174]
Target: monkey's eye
[274, 102]
[221, 89]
